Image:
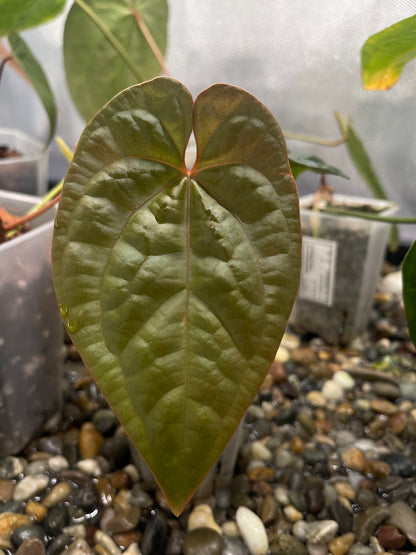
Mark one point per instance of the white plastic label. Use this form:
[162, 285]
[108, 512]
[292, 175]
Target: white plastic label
[317, 278]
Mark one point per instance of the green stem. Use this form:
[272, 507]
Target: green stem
[373, 217]
[111, 38]
[313, 139]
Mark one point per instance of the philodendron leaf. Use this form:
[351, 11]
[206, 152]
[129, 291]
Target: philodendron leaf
[304, 162]
[94, 68]
[385, 54]
[176, 285]
[18, 15]
[409, 290]
[34, 71]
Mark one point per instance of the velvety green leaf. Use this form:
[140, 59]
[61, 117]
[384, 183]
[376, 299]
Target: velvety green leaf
[34, 71]
[17, 15]
[385, 54]
[364, 166]
[301, 162]
[95, 70]
[176, 285]
[409, 290]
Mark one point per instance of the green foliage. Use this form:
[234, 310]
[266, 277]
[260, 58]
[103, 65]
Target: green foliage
[18, 15]
[364, 166]
[385, 54]
[176, 285]
[94, 37]
[409, 290]
[301, 162]
[34, 71]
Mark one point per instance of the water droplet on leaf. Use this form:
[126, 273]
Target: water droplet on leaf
[71, 326]
[63, 310]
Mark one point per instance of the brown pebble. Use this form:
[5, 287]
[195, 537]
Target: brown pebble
[262, 488]
[323, 426]
[354, 458]
[304, 355]
[378, 469]
[267, 384]
[297, 445]
[90, 441]
[390, 537]
[127, 538]
[31, 546]
[345, 409]
[278, 372]
[340, 545]
[35, 510]
[397, 422]
[261, 473]
[6, 490]
[120, 480]
[100, 550]
[367, 484]
[105, 490]
[383, 407]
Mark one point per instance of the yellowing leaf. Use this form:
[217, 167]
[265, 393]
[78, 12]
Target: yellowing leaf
[385, 54]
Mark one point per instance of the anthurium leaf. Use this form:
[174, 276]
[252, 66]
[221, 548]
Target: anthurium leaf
[17, 15]
[409, 290]
[37, 77]
[385, 54]
[365, 168]
[90, 57]
[308, 162]
[176, 285]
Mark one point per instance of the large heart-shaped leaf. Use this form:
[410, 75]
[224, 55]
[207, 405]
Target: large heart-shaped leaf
[176, 285]
[385, 54]
[409, 290]
[95, 69]
[17, 15]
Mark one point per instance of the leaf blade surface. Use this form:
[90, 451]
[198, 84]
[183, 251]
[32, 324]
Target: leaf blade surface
[178, 284]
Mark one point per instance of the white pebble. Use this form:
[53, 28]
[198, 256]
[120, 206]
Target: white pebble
[281, 493]
[105, 540]
[317, 548]
[90, 466]
[202, 517]
[282, 355]
[259, 451]
[76, 531]
[252, 530]
[230, 528]
[58, 463]
[332, 391]
[29, 486]
[79, 547]
[292, 513]
[299, 530]
[392, 283]
[345, 380]
[133, 549]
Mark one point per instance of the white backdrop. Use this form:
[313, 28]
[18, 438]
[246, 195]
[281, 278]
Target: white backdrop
[301, 58]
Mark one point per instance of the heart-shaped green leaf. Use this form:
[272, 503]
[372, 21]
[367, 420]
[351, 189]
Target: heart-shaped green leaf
[308, 162]
[95, 69]
[409, 290]
[385, 54]
[18, 15]
[176, 285]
